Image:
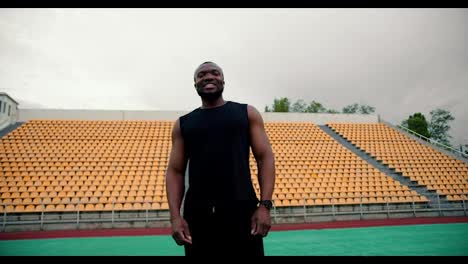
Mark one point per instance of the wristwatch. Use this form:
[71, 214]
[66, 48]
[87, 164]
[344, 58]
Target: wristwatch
[267, 203]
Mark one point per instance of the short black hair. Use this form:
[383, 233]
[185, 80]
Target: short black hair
[206, 62]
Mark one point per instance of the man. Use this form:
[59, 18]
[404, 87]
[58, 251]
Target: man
[221, 213]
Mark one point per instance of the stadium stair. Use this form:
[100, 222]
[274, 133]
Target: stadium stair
[421, 190]
[431, 145]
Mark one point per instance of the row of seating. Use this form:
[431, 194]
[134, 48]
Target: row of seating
[312, 167]
[420, 163]
[326, 178]
[88, 207]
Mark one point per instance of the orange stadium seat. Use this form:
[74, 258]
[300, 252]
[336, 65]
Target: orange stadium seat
[312, 168]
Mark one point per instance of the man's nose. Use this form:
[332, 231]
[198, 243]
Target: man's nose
[208, 77]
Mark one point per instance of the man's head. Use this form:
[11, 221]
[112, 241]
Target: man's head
[209, 81]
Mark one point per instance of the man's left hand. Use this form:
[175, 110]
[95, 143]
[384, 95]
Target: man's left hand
[261, 221]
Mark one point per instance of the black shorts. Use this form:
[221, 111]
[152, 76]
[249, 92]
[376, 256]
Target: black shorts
[222, 230]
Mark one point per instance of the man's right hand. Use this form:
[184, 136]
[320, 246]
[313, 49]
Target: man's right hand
[180, 231]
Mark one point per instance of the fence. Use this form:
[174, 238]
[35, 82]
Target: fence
[301, 213]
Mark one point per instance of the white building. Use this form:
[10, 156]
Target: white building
[8, 110]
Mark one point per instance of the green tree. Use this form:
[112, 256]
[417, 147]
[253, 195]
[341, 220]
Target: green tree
[405, 123]
[356, 108]
[299, 106]
[439, 126]
[279, 105]
[417, 122]
[283, 104]
[366, 109]
[350, 109]
[315, 107]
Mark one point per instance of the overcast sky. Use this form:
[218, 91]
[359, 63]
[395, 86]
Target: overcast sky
[400, 61]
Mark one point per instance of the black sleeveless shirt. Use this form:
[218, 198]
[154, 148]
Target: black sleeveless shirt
[217, 146]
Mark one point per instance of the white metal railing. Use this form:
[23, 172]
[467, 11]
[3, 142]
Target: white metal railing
[432, 141]
[76, 216]
[415, 206]
[41, 211]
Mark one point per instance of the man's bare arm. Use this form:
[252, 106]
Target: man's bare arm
[263, 154]
[261, 220]
[175, 172]
[175, 186]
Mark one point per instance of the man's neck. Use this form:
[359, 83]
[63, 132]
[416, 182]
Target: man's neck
[211, 104]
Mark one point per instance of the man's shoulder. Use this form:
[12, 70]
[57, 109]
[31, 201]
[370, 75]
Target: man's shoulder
[188, 118]
[191, 113]
[245, 106]
[240, 104]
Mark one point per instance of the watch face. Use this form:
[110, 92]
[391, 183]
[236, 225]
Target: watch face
[267, 204]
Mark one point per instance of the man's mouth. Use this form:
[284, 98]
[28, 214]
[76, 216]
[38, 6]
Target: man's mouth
[210, 86]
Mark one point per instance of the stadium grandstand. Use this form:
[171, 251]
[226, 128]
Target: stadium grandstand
[90, 169]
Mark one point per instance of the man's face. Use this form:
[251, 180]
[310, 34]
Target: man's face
[209, 81]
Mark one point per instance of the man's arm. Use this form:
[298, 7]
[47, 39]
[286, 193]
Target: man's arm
[175, 186]
[263, 154]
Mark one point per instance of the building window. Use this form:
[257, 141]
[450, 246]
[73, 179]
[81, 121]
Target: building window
[9, 110]
[4, 107]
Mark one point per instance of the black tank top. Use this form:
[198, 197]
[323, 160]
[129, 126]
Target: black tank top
[217, 145]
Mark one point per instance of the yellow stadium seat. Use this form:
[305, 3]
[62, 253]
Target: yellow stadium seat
[164, 206]
[69, 207]
[60, 207]
[30, 208]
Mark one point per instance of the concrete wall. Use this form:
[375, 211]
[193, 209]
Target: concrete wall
[153, 115]
[6, 118]
[319, 119]
[58, 114]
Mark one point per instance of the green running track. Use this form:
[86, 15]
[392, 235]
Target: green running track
[404, 240]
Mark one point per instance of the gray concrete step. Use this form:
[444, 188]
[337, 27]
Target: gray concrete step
[390, 172]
